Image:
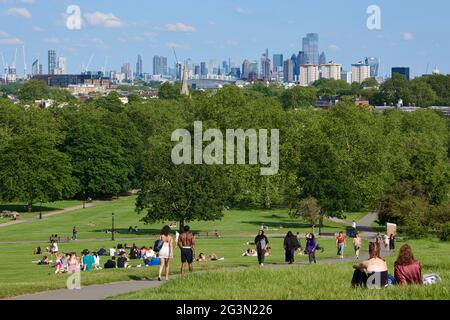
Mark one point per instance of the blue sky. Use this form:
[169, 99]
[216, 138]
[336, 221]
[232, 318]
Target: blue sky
[413, 33]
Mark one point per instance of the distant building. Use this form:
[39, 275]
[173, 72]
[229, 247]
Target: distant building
[51, 61]
[331, 71]
[360, 72]
[277, 61]
[126, 69]
[288, 71]
[65, 80]
[160, 65]
[203, 69]
[346, 76]
[309, 73]
[250, 70]
[61, 67]
[374, 64]
[401, 71]
[139, 68]
[266, 66]
[322, 59]
[311, 48]
[36, 68]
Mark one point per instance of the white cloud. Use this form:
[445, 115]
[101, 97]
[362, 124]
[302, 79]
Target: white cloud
[19, 12]
[3, 34]
[52, 40]
[100, 19]
[179, 27]
[333, 47]
[10, 41]
[177, 45]
[407, 36]
[241, 11]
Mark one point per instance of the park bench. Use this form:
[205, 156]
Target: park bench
[207, 234]
[327, 234]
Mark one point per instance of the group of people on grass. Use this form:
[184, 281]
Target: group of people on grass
[370, 273]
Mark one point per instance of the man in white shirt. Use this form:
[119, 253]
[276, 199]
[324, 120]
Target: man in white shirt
[112, 252]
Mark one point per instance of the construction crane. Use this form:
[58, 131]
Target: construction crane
[24, 63]
[5, 67]
[86, 70]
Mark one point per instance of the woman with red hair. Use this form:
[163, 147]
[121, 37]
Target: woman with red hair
[407, 269]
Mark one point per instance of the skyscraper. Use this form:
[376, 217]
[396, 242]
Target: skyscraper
[322, 59]
[401, 71]
[36, 68]
[61, 67]
[203, 69]
[360, 72]
[277, 62]
[51, 61]
[288, 71]
[265, 66]
[159, 65]
[126, 69]
[331, 71]
[295, 66]
[374, 64]
[139, 72]
[309, 73]
[311, 48]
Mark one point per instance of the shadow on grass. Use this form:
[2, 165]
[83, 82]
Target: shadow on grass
[24, 209]
[124, 231]
[290, 225]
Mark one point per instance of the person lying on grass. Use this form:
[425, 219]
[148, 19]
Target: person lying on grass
[372, 273]
[250, 253]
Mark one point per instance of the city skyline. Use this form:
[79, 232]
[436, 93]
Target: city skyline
[116, 34]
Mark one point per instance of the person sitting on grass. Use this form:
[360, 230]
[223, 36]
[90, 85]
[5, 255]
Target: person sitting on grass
[44, 261]
[111, 263]
[37, 251]
[407, 270]
[96, 264]
[250, 253]
[267, 252]
[88, 261]
[122, 261]
[65, 261]
[372, 273]
[73, 263]
[201, 257]
[59, 267]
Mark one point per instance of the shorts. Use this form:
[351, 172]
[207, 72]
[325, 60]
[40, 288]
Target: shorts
[187, 255]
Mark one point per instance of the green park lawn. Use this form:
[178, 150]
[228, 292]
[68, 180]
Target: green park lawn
[93, 222]
[44, 208]
[18, 275]
[315, 282]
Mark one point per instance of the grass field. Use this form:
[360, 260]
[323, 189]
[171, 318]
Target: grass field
[44, 208]
[94, 221]
[18, 275]
[315, 282]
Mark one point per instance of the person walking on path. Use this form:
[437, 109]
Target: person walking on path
[74, 233]
[166, 252]
[186, 243]
[311, 247]
[354, 224]
[291, 244]
[340, 244]
[392, 242]
[261, 243]
[357, 245]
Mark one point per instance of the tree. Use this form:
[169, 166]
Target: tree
[307, 209]
[170, 91]
[299, 97]
[32, 168]
[34, 90]
[330, 87]
[179, 193]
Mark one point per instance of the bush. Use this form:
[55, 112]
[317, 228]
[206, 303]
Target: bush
[414, 230]
[444, 235]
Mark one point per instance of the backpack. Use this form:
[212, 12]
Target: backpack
[157, 246]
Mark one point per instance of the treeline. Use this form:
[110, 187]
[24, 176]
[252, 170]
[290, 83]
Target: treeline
[346, 158]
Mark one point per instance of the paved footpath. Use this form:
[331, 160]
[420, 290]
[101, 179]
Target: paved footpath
[50, 214]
